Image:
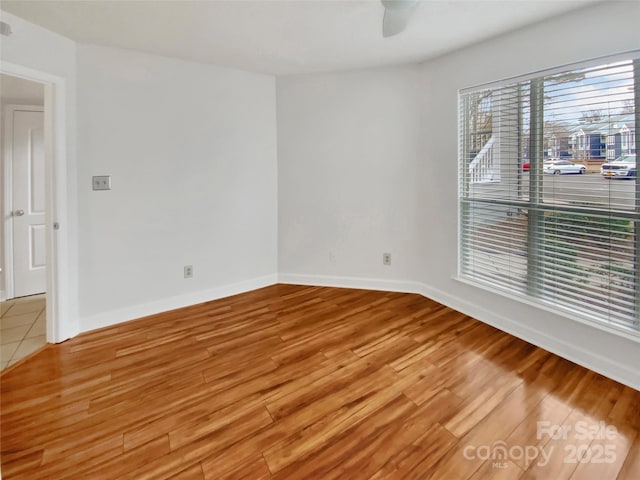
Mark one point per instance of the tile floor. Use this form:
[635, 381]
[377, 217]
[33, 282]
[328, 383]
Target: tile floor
[22, 328]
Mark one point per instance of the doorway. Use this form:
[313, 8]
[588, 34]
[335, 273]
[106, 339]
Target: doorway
[61, 303]
[23, 232]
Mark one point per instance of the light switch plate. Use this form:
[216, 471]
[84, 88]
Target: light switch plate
[102, 182]
[5, 29]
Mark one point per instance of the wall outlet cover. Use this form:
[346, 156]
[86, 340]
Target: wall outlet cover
[101, 182]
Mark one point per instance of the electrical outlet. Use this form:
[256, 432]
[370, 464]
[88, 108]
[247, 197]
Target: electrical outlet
[188, 271]
[101, 182]
[386, 259]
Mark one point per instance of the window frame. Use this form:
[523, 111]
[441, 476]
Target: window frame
[527, 298]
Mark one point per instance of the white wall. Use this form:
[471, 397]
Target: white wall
[13, 91]
[348, 147]
[32, 47]
[330, 187]
[192, 153]
[367, 164]
[548, 44]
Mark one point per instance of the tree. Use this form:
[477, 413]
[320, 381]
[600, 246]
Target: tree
[480, 120]
[591, 116]
[628, 106]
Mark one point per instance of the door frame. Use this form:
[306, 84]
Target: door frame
[59, 298]
[9, 284]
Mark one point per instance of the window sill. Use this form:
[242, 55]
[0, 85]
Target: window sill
[621, 331]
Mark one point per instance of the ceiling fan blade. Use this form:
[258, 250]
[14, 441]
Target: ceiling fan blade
[396, 15]
[394, 22]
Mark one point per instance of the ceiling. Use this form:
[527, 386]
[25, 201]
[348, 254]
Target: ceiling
[285, 37]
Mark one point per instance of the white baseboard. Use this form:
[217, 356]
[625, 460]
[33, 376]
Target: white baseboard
[131, 313]
[351, 282]
[3, 296]
[573, 352]
[626, 374]
[620, 372]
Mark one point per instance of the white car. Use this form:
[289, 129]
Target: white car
[559, 167]
[623, 166]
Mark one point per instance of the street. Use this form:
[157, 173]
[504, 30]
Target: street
[590, 188]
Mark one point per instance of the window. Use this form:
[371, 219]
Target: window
[539, 217]
[582, 144]
[611, 147]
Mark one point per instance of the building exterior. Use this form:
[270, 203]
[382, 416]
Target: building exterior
[604, 139]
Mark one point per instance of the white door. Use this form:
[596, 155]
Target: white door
[28, 202]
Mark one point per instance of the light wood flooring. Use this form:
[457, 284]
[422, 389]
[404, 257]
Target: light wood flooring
[295, 382]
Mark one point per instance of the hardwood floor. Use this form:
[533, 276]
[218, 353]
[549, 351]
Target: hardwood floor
[295, 382]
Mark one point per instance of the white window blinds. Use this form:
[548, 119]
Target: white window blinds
[549, 196]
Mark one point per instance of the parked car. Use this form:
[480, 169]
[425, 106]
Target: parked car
[559, 167]
[624, 166]
[527, 166]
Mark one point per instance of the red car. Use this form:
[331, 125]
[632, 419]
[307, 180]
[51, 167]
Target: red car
[527, 166]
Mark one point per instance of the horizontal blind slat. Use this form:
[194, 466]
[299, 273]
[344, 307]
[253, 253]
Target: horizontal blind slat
[583, 255]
